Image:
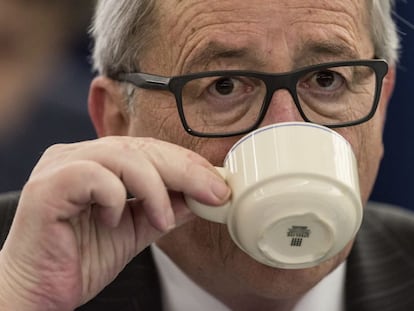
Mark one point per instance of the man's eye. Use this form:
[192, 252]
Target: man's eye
[326, 80]
[233, 87]
[224, 86]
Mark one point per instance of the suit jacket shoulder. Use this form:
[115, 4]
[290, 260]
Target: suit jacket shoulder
[8, 204]
[380, 268]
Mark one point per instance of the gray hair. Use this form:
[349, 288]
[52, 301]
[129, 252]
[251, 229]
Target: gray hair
[384, 30]
[122, 29]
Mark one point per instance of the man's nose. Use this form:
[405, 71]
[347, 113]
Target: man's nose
[281, 108]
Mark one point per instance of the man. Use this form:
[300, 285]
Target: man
[73, 232]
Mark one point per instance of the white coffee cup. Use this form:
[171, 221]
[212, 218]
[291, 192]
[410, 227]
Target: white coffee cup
[295, 195]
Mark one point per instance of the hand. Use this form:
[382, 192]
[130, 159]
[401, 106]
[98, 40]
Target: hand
[74, 230]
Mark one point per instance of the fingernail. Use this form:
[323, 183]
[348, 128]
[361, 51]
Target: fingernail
[169, 221]
[220, 189]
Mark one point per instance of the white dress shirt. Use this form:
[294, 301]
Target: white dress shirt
[180, 293]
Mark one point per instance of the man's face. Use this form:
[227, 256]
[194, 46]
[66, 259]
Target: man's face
[260, 35]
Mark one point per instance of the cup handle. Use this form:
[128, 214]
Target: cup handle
[209, 212]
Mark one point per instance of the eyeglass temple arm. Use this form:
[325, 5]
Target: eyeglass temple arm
[146, 81]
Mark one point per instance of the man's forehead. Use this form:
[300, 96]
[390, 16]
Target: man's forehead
[190, 11]
[202, 31]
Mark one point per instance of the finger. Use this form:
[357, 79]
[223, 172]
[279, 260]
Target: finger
[183, 170]
[63, 193]
[145, 233]
[180, 169]
[149, 182]
[181, 211]
[147, 167]
[148, 188]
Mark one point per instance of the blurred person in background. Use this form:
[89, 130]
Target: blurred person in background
[44, 80]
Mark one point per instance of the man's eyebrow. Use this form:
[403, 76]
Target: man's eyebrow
[319, 51]
[309, 53]
[216, 50]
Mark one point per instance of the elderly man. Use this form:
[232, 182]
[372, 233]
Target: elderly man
[74, 230]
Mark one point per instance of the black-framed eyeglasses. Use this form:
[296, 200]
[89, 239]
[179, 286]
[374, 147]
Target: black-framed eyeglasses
[234, 102]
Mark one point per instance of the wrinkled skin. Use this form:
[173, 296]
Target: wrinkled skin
[72, 218]
[277, 36]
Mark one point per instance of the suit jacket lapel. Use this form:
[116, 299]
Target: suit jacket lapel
[380, 268]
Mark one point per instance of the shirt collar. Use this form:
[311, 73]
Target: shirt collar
[179, 292]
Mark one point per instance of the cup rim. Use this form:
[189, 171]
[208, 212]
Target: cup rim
[283, 124]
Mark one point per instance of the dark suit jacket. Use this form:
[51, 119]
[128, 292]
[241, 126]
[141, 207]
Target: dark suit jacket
[380, 268]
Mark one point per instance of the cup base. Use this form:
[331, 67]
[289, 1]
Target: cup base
[296, 240]
[295, 221]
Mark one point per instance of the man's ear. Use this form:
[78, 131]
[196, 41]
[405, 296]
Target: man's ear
[107, 109]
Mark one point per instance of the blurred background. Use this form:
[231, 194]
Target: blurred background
[45, 75]
[395, 183]
[44, 80]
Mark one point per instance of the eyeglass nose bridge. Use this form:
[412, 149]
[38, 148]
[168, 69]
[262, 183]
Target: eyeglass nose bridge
[276, 82]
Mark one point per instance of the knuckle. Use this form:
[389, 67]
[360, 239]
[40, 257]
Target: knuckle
[193, 173]
[81, 168]
[194, 157]
[54, 149]
[33, 185]
[124, 144]
[67, 173]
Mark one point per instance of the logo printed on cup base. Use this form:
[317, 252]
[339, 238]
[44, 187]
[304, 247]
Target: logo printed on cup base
[298, 233]
[295, 195]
